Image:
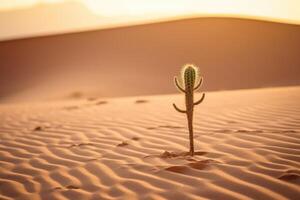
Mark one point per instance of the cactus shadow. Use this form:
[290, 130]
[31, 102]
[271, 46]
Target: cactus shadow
[183, 155]
[194, 165]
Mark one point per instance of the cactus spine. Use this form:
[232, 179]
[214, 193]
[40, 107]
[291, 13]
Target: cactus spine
[190, 82]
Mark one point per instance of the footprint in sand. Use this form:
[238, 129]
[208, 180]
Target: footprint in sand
[40, 128]
[122, 144]
[69, 187]
[141, 101]
[72, 187]
[135, 138]
[80, 144]
[57, 188]
[77, 107]
[101, 102]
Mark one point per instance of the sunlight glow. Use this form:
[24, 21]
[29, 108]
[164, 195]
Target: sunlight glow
[276, 10]
[19, 4]
[26, 18]
[288, 10]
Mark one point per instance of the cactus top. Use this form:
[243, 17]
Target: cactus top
[190, 76]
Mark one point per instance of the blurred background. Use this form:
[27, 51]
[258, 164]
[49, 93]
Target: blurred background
[57, 49]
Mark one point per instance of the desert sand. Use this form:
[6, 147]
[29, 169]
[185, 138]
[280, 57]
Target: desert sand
[247, 143]
[232, 53]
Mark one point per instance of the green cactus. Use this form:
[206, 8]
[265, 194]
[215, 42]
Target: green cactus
[190, 83]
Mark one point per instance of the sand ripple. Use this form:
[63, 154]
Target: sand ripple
[248, 147]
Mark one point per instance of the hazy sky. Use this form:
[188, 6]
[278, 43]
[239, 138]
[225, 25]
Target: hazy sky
[25, 18]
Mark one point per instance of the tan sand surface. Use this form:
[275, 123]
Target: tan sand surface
[232, 53]
[247, 142]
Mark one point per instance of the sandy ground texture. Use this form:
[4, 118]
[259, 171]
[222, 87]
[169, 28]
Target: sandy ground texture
[247, 142]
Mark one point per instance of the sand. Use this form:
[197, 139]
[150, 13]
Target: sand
[232, 53]
[247, 143]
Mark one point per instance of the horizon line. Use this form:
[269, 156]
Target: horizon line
[160, 20]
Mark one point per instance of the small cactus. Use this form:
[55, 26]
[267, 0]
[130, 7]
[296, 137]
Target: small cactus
[190, 82]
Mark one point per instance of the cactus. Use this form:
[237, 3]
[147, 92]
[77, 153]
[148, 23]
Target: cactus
[190, 82]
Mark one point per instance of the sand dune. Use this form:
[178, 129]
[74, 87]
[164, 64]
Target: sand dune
[247, 142]
[142, 60]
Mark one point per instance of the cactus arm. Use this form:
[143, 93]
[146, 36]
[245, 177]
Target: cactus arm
[199, 84]
[177, 85]
[179, 110]
[200, 100]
